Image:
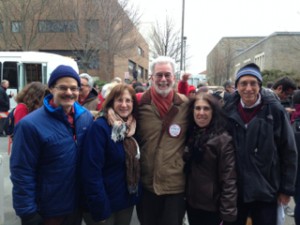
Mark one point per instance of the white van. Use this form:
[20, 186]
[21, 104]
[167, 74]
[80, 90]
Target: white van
[21, 68]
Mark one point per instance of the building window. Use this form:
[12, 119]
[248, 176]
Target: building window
[131, 66]
[140, 71]
[57, 26]
[247, 61]
[92, 25]
[260, 60]
[16, 26]
[140, 51]
[132, 69]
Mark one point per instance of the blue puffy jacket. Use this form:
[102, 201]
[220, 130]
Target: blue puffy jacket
[104, 173]
[44, 161]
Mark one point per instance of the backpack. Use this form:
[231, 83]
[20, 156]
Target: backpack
[10, 123]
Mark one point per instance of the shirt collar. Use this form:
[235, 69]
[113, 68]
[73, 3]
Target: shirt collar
[258, 101]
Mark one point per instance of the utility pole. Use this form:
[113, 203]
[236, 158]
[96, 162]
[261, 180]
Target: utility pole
[184, 52]
[182, 36]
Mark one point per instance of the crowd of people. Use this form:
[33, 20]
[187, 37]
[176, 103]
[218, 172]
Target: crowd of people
[81, 154]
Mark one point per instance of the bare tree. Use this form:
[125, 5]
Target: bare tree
[104, 27]
[219, 68]
[20, 21]
[216, 67]
[165, 39]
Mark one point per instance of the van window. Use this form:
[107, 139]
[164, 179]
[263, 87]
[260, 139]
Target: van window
[33, 72]
[10, 73]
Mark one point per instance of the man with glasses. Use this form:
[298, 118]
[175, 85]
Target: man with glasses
[45, 155]
[266, 153]
[88, 96]
[162, 125]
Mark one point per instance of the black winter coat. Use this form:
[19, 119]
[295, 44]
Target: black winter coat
[4, 100]
[266, 153]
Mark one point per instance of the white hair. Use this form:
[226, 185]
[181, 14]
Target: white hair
[162, 60]
[88, 78]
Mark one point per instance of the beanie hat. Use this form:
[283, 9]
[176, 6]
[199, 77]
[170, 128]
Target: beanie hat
[63, 71]
[191, 88]
[249, 70]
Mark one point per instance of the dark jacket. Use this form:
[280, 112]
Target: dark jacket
[296, 129]
[91, 102]
[44, 161]
[266, 152]
[4, 100]
[211, 183]
[104, 173]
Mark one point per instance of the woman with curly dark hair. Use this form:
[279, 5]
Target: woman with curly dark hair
[29, 99]
[211, 191]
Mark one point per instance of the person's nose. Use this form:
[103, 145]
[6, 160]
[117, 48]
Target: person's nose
[163, 78]
[68, 91]
[248, 87]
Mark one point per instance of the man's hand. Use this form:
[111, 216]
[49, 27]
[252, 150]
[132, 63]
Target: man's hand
[290, 110]
[284, 199]
[186, 76]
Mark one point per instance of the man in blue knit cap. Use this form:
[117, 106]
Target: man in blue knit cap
[266, 154]
[45, 155]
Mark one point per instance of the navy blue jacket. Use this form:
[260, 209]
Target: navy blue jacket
[44, 161]
[4, 100]
[104, 173]
[266, 153]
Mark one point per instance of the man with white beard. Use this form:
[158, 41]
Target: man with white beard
[162, 125]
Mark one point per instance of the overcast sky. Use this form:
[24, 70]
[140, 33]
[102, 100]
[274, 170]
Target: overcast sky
[206, 22]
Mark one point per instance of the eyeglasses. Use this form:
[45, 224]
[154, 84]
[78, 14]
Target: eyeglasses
[204, 108]
[121, 100]
[66, 88]
[246, 83]
[160, 75]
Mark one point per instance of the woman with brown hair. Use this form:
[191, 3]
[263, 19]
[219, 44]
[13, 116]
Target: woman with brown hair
[29, 99]
[110, 161]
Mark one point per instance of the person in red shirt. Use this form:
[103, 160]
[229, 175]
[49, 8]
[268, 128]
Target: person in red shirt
[183, 86]
[29, 99]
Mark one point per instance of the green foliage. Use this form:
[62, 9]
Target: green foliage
[273, 75]
[100, 83]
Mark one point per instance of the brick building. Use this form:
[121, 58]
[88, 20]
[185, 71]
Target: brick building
[98, 34]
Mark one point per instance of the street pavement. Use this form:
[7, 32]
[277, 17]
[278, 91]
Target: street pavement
[7, 214]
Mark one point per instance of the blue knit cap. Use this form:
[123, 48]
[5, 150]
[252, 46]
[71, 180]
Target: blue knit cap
[63, 71]
[249, 70]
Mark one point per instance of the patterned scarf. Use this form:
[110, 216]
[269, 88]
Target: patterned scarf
[123, 131]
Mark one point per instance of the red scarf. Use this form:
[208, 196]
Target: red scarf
[163, 104]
